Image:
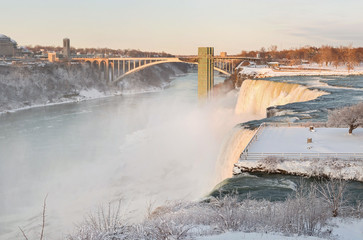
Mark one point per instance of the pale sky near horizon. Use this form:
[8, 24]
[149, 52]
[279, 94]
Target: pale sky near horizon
[181, 26]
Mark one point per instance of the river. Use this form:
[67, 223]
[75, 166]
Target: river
[144, 148]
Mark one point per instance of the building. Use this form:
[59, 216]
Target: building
[273, 65]
[223, 54]
[8, 47]
[52, 57]
[66, 48]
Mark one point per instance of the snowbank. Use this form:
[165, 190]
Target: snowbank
[255, 236]
[347, 229]
[305, 70]
[92, 93]
[342, 229]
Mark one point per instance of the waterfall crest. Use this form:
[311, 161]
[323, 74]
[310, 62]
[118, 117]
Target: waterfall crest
[232, 148]
[257, 95]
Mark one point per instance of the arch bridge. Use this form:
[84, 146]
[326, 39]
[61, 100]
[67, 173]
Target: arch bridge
[114, 69]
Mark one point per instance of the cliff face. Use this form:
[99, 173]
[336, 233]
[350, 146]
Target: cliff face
[26, 86]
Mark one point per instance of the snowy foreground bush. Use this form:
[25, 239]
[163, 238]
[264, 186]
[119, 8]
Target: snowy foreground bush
[305, 213]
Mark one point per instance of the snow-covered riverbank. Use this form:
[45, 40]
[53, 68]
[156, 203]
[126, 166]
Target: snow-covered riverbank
[28, 87]
[302, 70]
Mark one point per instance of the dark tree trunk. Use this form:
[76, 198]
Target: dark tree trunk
[351, 128]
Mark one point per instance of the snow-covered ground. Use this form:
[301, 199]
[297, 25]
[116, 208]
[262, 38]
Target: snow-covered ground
[332, 152]
[294, 140]
[262, 71]
[88, 94]
[342, 229]
[255, 236]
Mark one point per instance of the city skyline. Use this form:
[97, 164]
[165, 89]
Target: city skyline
[180, 27]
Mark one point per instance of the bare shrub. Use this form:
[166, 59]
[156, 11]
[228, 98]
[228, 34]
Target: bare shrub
[164, 228]
[304, 213]
[43, 222]
[227, 212]
[271, 162]
[105, 223]
[167, 222]
[332, 192]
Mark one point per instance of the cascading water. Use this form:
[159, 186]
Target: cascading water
[232, 148]
[254, 98]
[257, 95]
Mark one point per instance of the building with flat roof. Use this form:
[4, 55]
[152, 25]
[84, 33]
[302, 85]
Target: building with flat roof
[8, 47]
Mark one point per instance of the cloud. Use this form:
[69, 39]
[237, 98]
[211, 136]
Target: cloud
[329, 32]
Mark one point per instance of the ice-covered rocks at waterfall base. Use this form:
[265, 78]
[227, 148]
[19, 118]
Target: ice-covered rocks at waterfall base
[330, 152]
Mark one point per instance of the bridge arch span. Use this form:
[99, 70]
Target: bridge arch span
[171, 60]
[95, 64]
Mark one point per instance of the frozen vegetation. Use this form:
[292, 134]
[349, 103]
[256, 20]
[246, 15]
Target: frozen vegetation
[309, 212]
[39, 85]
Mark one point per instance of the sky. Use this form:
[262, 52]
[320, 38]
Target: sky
[181, 26]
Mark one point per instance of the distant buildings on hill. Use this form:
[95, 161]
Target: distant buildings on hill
[8, 47]
[10, 52]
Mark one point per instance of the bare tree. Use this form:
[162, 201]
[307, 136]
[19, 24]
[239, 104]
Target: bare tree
[325, 55]
[349, 57]
[43, 217]
[43, 222]
[348, 116]
[273, 51]
[333, 192]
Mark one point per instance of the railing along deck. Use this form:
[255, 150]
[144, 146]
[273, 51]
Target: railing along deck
[302, 156]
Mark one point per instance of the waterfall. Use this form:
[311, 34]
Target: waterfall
[257, 95]
[254, 98]
[232, 148]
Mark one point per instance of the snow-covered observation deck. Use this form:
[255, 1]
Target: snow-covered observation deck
[304, 150]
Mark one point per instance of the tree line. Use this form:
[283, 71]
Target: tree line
[324, 55]
[37, 49]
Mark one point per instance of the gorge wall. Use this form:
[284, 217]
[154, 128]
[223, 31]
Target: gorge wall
[31, 85]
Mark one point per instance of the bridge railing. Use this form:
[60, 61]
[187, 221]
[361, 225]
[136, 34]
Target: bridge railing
[300, 124]
[302, 156]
